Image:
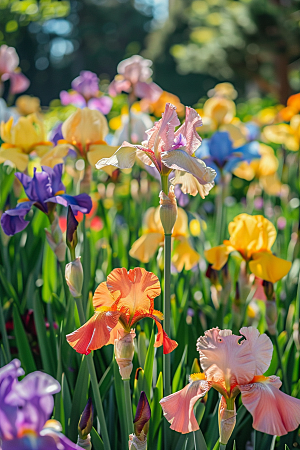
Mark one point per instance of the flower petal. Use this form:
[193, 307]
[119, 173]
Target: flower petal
[224, 358]
[178, 408]
[12, 221]
[261, 347]
[134, 290]
[217, 256]
[180, 160]
[103, 297]
[95, 333]
[273, 411]
[123, 158]
[188, 130]
[162, 338]
[15, 155]
[100, 151]
[145, 247]
[184, 255]
[163, 131]
[268, 267]
[190, 185]
[81, 202]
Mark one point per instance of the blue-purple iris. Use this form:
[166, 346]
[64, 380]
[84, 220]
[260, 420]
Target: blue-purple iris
[219, 153]
[25, 407]
[43, 189]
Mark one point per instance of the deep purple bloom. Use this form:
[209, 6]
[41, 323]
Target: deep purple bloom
[45, 187]
[25, 407]
[85, 93]
[218, 152]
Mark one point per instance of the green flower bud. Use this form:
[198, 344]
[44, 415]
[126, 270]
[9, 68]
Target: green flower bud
[74, 277]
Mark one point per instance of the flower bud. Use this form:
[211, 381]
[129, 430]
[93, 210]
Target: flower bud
[85, 425]
[124, 352]
[74, 277]
[71, 235]
[55, 240]
[168, 210]
[268, 289]
[227, 420]
[135, 443]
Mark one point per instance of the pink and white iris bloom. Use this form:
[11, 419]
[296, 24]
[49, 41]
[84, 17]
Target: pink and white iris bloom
[167, 149]
[232, 365]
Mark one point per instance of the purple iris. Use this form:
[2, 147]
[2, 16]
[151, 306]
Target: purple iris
[25, 407]
[45, 187]
[219, 153]
[86, 90]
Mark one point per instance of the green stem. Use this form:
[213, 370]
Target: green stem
[279, 356]
[66, 290]
[94, 381]
[4, 336]
[167, 311]
[128, 406]
[165, 184]
[166, 324]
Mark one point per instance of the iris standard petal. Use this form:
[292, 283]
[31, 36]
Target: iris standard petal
[268, 267]
[217, 256]
[261, 347]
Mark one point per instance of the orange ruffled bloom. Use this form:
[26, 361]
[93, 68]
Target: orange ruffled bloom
[235, 364]
[121, 301]
[252, 237]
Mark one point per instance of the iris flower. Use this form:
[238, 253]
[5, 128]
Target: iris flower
[84, 131]
[44, 189]
[235, 364]
[120, 302]
[134, 78]
[153, 236]
[86, 93]
[252, 237]
[25, 407]
[23, 138]
[220, 154]
[263, 169]
[285, 134]
[167, 149]
[9, 70]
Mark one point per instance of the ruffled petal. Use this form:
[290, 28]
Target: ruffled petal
[180, 160]
[162, 135]
[94, 333]
[217, 256]
[145, 247]
[134, 290]
[273, 411]
[103, 297]
[224, 358]
[178, 408]
[268, 267]
[190, 185]
[261, 347]
[188, 130]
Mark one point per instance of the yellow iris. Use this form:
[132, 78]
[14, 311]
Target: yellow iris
[26, 136]
[153, 237]
[252, 237]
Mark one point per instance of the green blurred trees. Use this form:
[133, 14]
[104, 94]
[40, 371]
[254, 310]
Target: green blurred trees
[242, 40]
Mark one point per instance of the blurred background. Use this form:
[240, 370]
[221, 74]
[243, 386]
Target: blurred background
[194, 44]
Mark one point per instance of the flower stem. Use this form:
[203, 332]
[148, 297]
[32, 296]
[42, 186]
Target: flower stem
[166, 325]
[165, 184]
[128, 406]
[94, 381]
